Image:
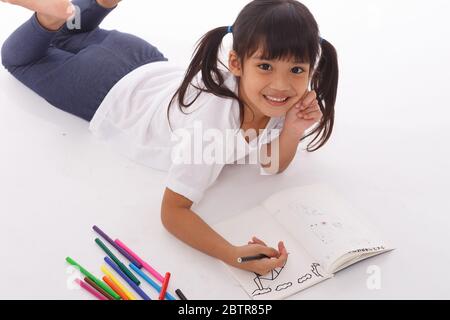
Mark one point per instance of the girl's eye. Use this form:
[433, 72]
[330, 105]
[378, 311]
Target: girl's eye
[264, 66]
[297, 70]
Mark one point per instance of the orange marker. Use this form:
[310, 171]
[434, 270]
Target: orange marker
[116, 289]
[162, 293]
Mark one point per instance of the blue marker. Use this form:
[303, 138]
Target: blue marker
[150, 281]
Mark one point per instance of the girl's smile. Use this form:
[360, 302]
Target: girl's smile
[276, 101]
[269, 88]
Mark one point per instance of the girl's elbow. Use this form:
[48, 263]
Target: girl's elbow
[173, 205]
[167, 219]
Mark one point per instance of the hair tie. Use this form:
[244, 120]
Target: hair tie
[230, 29]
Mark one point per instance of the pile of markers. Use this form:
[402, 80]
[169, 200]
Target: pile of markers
[111, 288]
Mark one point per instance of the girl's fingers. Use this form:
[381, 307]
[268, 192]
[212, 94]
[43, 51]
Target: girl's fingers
[310, 114]
[312, 110]
[278, 262]
[313, 113]
[283, 253]
[309, 99]
[255, 240]
[313, 116]
[313, 105]
[282, 248]
[270, 252]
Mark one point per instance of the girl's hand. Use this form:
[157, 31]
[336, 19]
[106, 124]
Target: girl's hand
[256, 246]
[303, 115]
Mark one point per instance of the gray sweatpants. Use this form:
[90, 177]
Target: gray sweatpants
[74, 69]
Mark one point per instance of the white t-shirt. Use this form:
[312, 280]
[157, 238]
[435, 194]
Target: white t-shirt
[133, 120]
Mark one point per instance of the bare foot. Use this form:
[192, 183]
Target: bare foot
[62, 9]
[49, 22]
[108, 3]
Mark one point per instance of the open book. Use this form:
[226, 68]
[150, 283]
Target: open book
[322, 233]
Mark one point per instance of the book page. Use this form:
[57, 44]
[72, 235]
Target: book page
[324, 223]
[300, 272]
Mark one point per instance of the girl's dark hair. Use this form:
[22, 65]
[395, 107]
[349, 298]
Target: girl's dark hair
[282, 29]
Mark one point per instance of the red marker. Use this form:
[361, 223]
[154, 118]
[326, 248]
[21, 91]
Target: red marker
[162, 294]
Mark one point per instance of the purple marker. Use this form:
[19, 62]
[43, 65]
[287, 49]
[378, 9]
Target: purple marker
[115, 245]
[128, 280]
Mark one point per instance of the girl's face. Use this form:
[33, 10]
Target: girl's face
[270, 87]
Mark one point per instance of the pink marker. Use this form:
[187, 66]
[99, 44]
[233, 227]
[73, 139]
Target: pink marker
[146, 266]
[89, 289]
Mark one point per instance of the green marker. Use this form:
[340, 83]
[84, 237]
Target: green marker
[117, 261]
[93, 278]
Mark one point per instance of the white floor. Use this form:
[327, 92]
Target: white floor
[389, 154]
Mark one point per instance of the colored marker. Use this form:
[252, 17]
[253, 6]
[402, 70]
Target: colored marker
[93, 278]
[122, 251]
[89, 289]
[162, 294]
[150, 281]
[117, 261]
[146, 266]
[128, 280]
[98, 288]
[117, 282]
[180, 294]
[113, 286]
[252, 258]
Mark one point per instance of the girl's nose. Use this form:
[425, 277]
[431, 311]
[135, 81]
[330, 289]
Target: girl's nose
[280, 85]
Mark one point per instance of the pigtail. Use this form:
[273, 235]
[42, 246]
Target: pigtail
[205, 60]
[325, 83]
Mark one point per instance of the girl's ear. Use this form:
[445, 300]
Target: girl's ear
[234, 64]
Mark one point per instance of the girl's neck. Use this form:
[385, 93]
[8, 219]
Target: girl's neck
[254, 120]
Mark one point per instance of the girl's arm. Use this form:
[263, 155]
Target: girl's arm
[277, 155]
[186, 225]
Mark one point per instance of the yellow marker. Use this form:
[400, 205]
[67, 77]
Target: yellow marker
[114, 279]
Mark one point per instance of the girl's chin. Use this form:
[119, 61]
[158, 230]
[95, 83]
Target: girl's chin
[275, 111]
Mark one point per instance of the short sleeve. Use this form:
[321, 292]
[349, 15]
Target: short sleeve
[200, 151]
[273, 131]
[193, 169]
[279, 124]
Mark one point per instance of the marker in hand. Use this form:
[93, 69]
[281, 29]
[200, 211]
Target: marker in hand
[252, 258]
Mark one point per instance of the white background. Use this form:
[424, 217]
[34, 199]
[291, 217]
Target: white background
[389, 155]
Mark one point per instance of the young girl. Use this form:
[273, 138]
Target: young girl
[281, 75]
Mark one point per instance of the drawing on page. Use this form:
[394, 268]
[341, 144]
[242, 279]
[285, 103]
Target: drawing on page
[315, 271]
[305, 278]
[298, 207]
[321, 224]
[308, 276]
[283, 286]
[325, 231]
[263, 282]
[328, 228]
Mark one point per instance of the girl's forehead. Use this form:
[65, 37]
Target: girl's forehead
[262, 53]
[259, 55]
